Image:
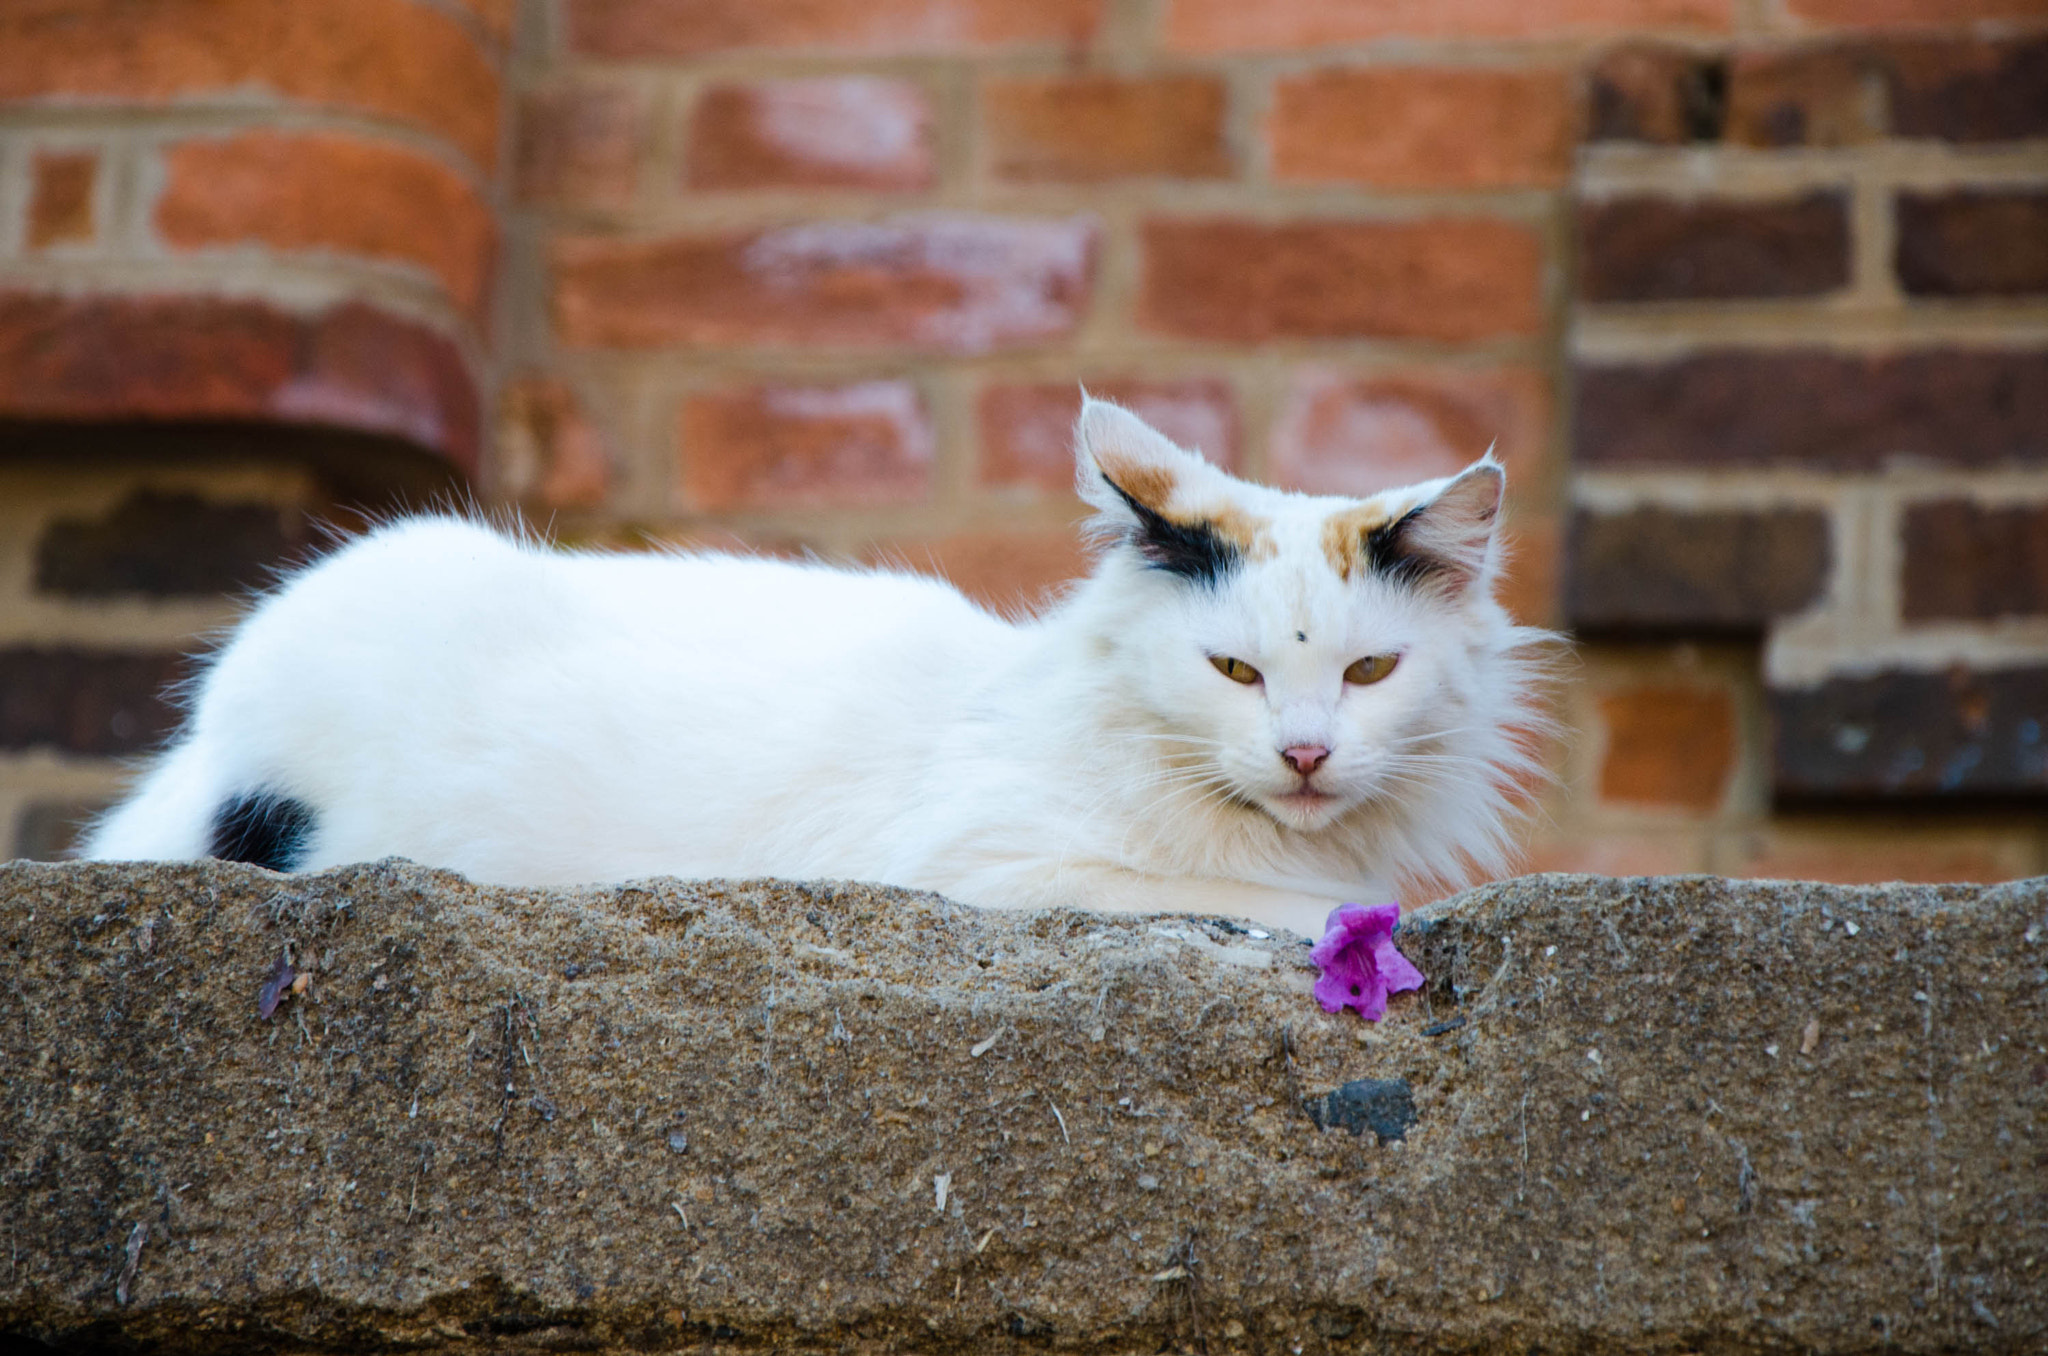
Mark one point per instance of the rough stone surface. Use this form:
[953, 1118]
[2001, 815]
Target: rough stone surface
[1639, 1115]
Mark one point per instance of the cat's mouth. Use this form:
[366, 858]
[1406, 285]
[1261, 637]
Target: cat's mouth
[1305, 808]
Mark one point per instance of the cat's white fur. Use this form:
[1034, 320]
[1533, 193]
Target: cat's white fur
[531, 716]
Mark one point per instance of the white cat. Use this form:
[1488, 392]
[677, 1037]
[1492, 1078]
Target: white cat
[1260, 704]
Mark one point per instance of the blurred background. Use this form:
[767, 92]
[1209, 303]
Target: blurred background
[1751, 294]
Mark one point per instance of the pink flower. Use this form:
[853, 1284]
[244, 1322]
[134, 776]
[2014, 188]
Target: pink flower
[1359, 963]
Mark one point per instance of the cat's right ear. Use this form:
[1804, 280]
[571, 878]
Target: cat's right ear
[1131, 474]
[1122, 465]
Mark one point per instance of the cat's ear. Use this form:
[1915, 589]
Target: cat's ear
[1119, 459]
[1132, 475]
[1447, 541]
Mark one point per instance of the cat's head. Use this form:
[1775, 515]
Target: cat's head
[1336, 666]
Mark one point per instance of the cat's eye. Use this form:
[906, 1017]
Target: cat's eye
[1371, 669]
[1236, 670]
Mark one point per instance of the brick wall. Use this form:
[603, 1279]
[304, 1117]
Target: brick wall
[1749, 293]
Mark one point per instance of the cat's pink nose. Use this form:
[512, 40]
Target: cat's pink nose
[1306, 758]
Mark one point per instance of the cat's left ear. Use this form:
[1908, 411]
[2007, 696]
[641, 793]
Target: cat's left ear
[1446, 542]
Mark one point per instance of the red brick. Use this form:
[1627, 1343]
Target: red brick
[186, 358]
[1027, 431]
[1663, 95]
[317, 190]
[805, 446]
[493, 16]
[1232, 25]
[1358, 434]
[1424, 127]
[1658, 249]
[1006, 571]
[1912, 13]
[1973, 242]
[1247, 281]
[396, 58]
[1086, 128]
[548, 450]
[840, 132]
[1533, 550]
[1671, 746]
[1823, 411]
[640, 29]
[952, 283]
[580, 146]
[60, 204]
[1857, 856]
[1957, 733]
[1970, 562]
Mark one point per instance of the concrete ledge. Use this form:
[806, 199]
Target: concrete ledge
[1627, 1115]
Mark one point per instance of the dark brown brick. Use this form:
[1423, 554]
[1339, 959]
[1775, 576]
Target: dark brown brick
[1958, 733]
[1829, 95]
[1969, 90]
[1967, 561]
[1823, 411]
[96, 702]
[47, 830]
[181, 359]
[1973, 243]
[167, 545]
[1656, 569]
[1663, 95]
[1657, 249]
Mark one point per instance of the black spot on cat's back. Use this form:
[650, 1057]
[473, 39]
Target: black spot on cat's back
[263, 829]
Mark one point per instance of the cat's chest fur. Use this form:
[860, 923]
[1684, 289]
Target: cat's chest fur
[528, 716]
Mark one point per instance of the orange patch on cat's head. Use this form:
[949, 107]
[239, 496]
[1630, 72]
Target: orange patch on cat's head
[1344, 537]
[1155, 487]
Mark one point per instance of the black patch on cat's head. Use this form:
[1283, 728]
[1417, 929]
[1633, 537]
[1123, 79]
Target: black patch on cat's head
[1193, 551]
[263, 829]
[1390, 553]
